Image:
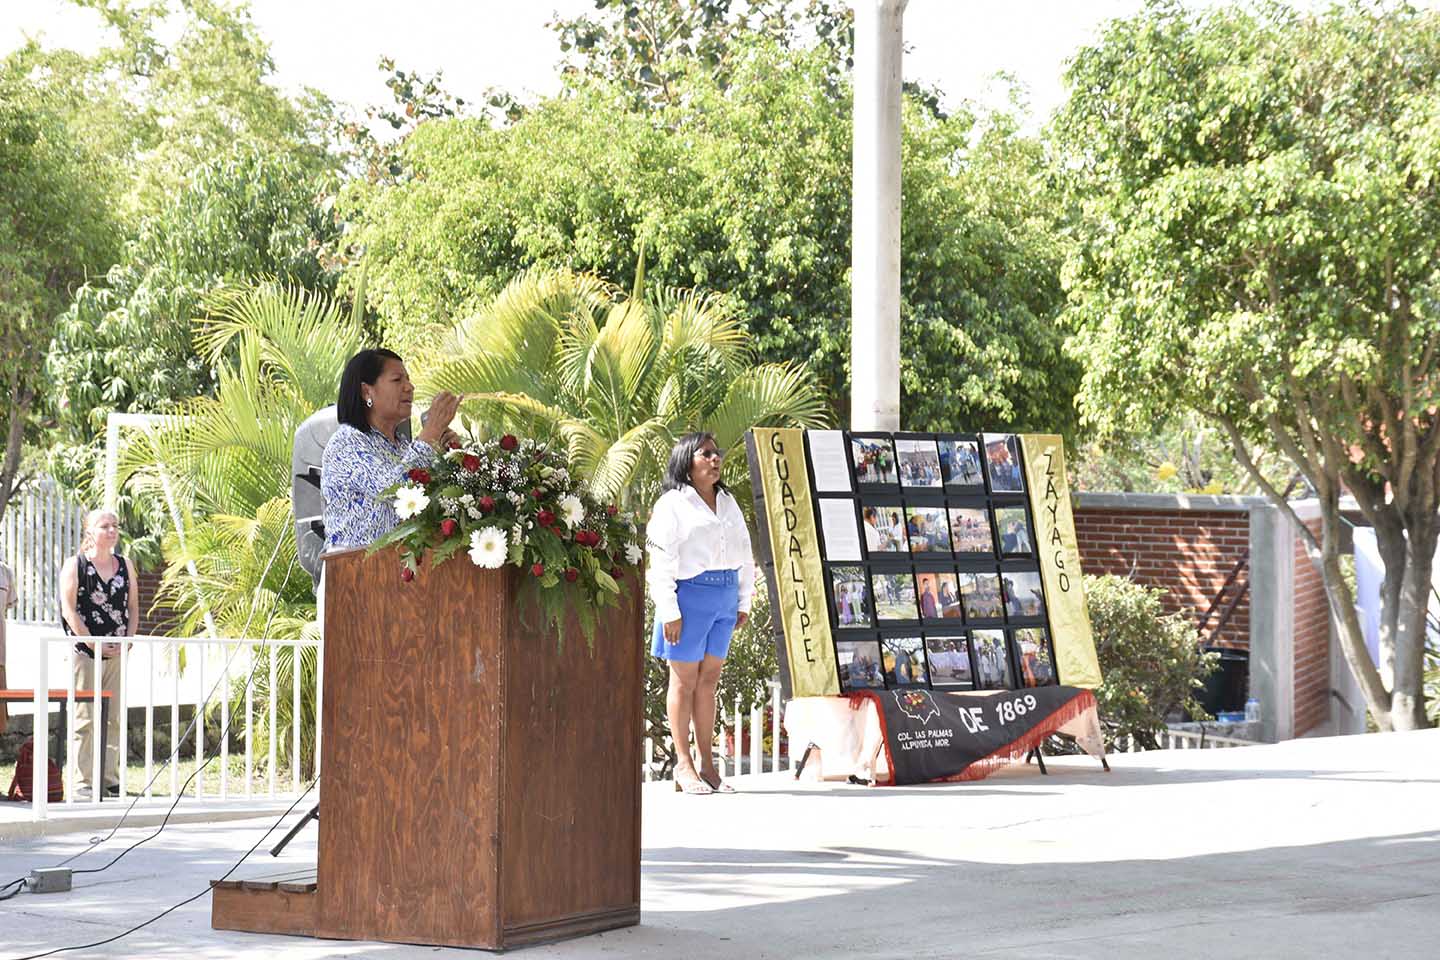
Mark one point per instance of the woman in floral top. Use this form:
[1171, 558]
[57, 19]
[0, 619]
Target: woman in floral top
[99, 597]
[365, 455]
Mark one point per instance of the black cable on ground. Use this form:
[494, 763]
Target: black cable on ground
[140, 926]
[17, 884]
[199, 717]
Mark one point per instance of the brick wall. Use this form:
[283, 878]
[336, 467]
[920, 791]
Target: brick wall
[151, 622]
[1312, 642]
[1189, 553]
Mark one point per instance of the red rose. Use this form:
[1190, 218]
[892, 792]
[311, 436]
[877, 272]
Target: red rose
[448, 527]
[571, 574]
[487, 504]
[588, 538]
[508, 442]
[538, 569]
[612, 509]
[470, 462]
[615, 572]
[537, 493]
[407, 574]
[545, 518]
[453, 445]
[419, 476]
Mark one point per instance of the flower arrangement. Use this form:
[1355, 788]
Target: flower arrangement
[507, 500]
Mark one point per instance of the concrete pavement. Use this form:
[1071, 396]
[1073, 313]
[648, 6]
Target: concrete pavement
[1310, 848]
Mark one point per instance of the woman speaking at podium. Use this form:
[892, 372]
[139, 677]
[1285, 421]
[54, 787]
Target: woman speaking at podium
[701, 578]
[366, 455]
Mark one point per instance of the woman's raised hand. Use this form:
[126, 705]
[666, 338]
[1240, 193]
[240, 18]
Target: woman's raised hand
[437, 419]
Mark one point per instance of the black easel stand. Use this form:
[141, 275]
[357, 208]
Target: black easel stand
[314, 814]
[1035, 754]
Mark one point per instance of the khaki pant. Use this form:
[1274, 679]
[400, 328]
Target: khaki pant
[82, 732]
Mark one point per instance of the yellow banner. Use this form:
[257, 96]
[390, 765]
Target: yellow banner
[1075, 660]
[799, 577]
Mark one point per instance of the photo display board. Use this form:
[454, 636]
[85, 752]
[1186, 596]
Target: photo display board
[920, 560]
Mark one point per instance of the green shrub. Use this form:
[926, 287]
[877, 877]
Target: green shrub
[1152, 662]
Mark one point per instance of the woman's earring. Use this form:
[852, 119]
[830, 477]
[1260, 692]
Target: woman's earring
[369, 402]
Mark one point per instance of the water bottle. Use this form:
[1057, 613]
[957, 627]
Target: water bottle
[1252, 710]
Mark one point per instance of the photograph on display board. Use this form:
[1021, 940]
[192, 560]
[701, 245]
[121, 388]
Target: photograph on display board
[904, 661]
[992, 666]
[1013, 526]
[981, 596]
[894, 595]
[970, 531]
[960, 465]
[919, 463]
[850, 595]
[939, 595]
[1023, 597]
[949, 661]
[838, 527]
[1002, 462]
[874, 461]
[928, 529]
[884, 529]
[859, 662]
[1037, 663]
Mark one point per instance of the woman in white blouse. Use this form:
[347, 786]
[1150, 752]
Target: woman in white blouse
[701, 577]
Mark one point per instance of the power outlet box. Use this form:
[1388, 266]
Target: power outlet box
[49, 880]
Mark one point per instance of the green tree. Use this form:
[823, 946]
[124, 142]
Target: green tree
[56, 228]
[616, 379]
[193, 97]
[126, 341]
[1255, 190]
[743, 186]
[648, 46]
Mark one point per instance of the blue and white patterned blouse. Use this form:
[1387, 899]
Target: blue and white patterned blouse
[356, 467]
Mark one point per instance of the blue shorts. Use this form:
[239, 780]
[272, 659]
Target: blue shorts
[709, 606]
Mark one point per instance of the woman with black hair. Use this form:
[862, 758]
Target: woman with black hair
[365, 455]
[701, 578]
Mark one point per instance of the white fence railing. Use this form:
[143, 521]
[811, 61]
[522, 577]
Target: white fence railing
[233, 690]
[744, 749]
[1182, 740]
[40, 529]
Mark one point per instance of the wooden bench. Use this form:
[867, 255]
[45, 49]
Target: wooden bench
[8, 696]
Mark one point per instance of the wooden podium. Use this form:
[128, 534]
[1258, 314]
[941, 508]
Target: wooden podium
[480, 786]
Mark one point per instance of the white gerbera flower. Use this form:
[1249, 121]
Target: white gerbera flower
[633, 554]
[488, 547]
[572, 510]
[410, 501]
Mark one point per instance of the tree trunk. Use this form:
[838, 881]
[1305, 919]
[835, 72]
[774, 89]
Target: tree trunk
[1407, 701]
[20, 400]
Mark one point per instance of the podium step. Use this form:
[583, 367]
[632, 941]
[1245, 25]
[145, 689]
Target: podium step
[283, 902]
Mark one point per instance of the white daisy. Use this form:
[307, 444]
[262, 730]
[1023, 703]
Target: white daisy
[410, 501]
[488, 547]
[572, 510]
[633, 554]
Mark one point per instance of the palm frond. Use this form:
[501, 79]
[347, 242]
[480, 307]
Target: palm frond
[773, 395]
